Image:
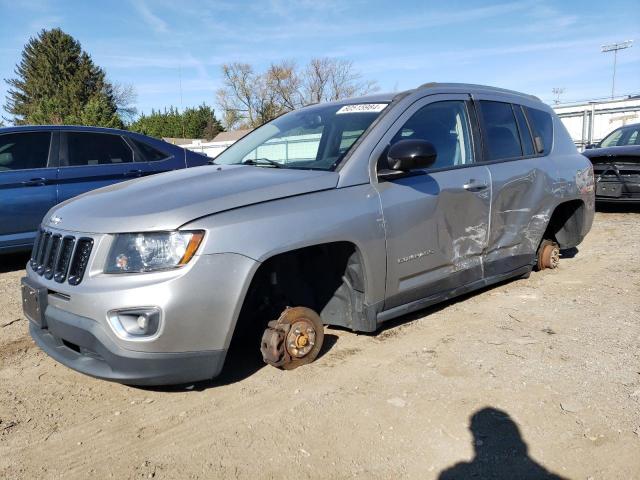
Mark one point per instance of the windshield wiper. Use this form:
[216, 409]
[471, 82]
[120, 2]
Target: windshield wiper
[261, 161]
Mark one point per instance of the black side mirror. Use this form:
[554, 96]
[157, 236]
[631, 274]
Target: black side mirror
[408, 155]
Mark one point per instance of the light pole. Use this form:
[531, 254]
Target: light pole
[614, 47]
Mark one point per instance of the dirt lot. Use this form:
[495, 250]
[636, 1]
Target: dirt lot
[530, 377]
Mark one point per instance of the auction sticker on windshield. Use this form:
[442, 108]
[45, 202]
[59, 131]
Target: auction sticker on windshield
[362, 108]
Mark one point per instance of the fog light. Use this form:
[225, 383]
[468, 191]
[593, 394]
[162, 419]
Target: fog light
[143, 323]
[135, 323]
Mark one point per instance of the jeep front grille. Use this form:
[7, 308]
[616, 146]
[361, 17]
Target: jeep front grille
[61, 258]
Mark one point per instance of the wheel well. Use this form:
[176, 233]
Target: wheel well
[566, 224]
[327, 278]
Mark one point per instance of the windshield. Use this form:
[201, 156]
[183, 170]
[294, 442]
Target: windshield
[315, 138]
[622, 136]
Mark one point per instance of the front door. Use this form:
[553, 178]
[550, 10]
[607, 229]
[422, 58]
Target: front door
[27, 186]
[436, 220]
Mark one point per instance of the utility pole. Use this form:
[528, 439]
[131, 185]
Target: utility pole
[614, 47]
[557, 92]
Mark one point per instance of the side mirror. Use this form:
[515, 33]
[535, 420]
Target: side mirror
[408, 155]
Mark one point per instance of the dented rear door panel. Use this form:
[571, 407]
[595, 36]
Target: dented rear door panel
[520, 210]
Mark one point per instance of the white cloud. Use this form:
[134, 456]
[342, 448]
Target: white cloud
[150, 18]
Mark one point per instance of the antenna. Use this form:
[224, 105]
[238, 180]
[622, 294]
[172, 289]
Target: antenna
[614, 47]
[184, 133]
[557, 91]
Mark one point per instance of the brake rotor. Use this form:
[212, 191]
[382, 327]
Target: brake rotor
[294, 339]
[548, 255]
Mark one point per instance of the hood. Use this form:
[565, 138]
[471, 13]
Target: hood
[624, 153]
[169, 200]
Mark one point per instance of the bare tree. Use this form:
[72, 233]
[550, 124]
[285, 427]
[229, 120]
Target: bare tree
[125, 98]
[248, 99]
[284, 80]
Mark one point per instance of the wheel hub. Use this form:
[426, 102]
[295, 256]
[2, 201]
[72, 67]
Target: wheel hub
[301, 338]
[294, 339]
[548, 255]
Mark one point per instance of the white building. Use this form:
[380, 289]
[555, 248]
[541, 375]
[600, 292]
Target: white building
[213, 148]
[590, 122]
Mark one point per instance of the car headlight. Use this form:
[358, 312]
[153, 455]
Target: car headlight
[151, 251]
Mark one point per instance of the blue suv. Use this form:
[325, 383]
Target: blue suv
[41, 166]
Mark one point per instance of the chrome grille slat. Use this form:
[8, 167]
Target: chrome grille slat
[80, 260]
[54, 251]
[34, 251]
[42, 253]
[64, 259]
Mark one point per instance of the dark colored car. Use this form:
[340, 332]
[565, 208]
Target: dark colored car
[41, 166]
[616, 165]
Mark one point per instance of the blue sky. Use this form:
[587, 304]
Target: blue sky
[524, 45]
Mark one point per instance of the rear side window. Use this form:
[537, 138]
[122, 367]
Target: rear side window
[542, 125]
[96, 149]
[501, 131]
[525, 134]
[22, 151]
[149, 154]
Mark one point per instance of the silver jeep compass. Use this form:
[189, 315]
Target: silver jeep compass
[348, 213]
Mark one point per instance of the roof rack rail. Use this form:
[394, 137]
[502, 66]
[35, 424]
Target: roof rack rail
[485, 87]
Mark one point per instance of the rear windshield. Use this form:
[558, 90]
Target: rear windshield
[315, 138]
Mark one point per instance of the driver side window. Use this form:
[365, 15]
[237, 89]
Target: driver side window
[444, 124]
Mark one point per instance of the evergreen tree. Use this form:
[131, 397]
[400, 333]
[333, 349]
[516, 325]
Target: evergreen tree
[194, 122]
[58, 83]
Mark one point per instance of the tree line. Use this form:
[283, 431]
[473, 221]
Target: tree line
[58, 83]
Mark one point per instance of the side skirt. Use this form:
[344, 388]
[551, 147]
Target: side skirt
[454, 292]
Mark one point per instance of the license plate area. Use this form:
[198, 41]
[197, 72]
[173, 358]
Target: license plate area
[609, 190]
[34, 302]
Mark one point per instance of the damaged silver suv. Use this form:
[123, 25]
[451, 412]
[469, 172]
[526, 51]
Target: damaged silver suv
[348, 213]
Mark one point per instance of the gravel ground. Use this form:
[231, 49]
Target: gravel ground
[526, 379]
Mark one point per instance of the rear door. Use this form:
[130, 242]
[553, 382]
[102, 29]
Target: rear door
[27, 185]
[517, 157]
[90, 160]
[436, 220]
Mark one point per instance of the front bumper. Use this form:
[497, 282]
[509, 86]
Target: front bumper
[83, 345]
[199, 305]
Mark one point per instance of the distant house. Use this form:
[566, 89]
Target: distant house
[179, 141]
[231, 136]
[213, 148]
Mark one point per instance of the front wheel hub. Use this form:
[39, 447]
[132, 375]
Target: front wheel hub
[294, 339]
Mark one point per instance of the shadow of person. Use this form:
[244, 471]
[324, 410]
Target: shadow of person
[500, 451]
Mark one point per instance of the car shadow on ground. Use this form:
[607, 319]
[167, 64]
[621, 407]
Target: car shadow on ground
[618, 207]
[242, 361]
[11, 262]
[499, 451]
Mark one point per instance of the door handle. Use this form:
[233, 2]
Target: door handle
[474, 186]
[133, 173]
[35, 182]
